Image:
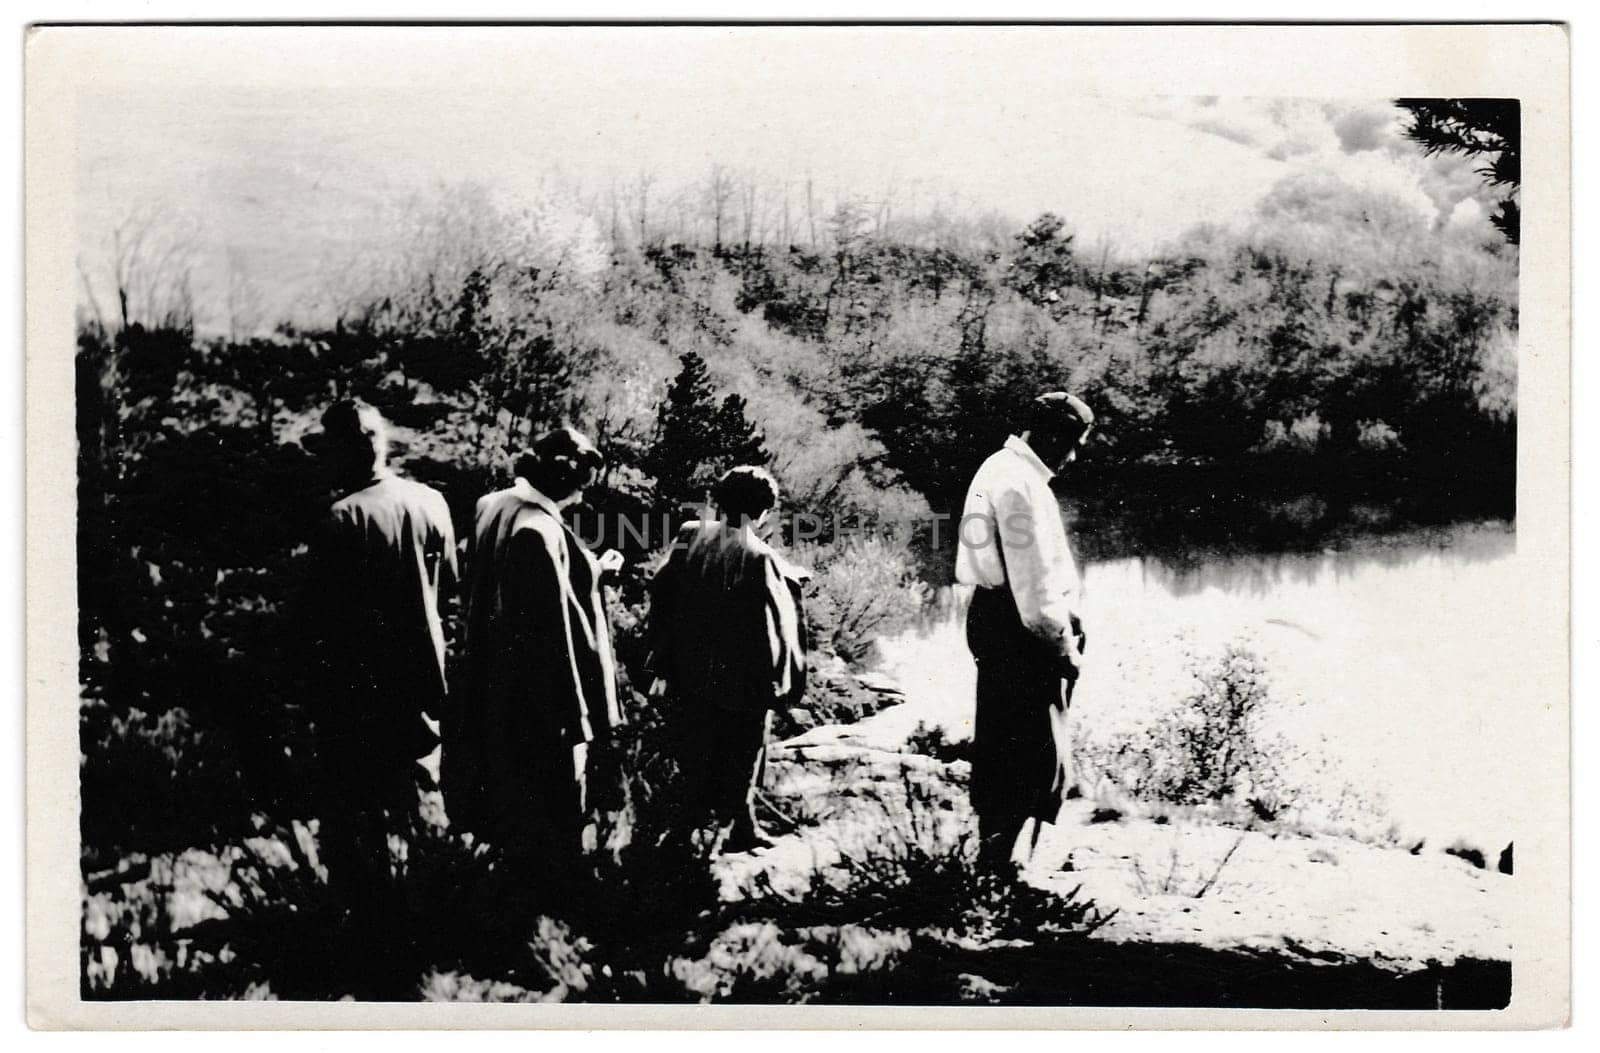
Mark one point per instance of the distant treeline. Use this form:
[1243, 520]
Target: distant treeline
[871, 374]
[1214, 355]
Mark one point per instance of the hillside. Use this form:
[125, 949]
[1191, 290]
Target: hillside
[869, 373]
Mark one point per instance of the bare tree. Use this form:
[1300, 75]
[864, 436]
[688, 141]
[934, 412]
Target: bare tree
[811, 208]
[848, 225]
[773, 211]
[686, 214]
[787, 234]
[152, 257]
[885, 210]
[747, 200]
[89, 295]
[718, 191]
[642, 184]
[614, 210]
[242, 299]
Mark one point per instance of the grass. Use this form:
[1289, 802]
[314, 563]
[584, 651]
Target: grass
[897, 912]
[652, 926]
[1173, 882]
[888, 905]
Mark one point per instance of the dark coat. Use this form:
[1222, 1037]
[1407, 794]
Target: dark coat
[724, 624]
[538, 673]
[378, 645]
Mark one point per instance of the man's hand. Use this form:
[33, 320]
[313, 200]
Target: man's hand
[1072, 660]
[1071, 666]
[610, 561]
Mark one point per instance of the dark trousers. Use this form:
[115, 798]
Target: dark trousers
[724, 759]
[1017, 768]
[368, 795]
[538, 820]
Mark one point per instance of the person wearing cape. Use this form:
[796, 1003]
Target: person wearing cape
[537, 682]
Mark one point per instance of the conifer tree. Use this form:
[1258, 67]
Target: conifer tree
[698, 437]
[1479, 128]
[1042, 264]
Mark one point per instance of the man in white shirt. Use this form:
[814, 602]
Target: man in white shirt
[1023, 628]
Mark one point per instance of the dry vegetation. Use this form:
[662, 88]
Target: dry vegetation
[869, 365]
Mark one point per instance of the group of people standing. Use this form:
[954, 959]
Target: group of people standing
[535, 683]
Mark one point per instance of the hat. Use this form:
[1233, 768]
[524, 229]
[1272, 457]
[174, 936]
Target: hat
[349, 422]
[1063, 410]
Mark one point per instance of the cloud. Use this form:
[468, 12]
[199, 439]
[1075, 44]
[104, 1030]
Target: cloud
[1360, 142]
[1287, 128]
[296, 181]
[1284, 129]
[1366, 128]
[1232, 132]
[1469, 221]
[1291, 146]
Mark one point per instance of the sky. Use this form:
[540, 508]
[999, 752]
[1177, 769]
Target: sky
[281, 171]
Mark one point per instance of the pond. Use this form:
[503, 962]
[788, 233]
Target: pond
[1391, 656]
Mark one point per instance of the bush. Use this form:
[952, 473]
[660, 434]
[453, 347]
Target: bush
[863, 586]
[930, 740]
[881, 364]
[1215, 749]
[880, 922]
[1209, 749]
[893, 919]
[154, 780]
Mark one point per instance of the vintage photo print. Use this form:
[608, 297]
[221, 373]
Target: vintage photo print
[803, 526]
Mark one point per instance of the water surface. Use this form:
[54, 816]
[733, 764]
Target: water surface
[1393, 656]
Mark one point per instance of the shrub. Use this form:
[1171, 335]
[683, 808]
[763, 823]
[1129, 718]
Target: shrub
[878, 923]
[154, 780]
[1208, 749]
[864, 586]
[884, 922]
[915, 868]
[930, 740]
[1215, 748]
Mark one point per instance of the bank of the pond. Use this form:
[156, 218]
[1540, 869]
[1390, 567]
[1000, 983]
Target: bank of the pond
[1279, 917]
[1388, 696]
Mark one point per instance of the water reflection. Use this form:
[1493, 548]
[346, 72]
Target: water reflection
[1375, 644]
[1258, 574]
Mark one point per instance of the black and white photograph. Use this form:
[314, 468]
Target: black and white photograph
[804, 516]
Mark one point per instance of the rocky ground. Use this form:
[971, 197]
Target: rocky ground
[1188, 882]
[865, 897]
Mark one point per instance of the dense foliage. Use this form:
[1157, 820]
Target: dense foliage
[870, 374]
